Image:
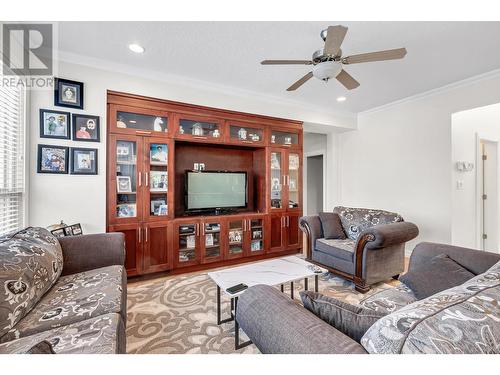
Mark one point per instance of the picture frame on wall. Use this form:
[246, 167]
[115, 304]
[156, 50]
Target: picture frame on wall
[84, 161]
[54, 124]
[68, 93]
[86, 128]
[52, 159]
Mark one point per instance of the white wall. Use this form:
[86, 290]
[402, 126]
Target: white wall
[83, 198]
[400, 157]
[466, 126]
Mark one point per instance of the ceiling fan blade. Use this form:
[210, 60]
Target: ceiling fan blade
[300, 82]
[334, 38]
[390, 54]
[346, 79]
[286, 62]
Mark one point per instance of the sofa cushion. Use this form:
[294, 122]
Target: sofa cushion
[389, 300]
[439, 274]
[463, 319]
[351, 320]
[100, 335]
[356, 220]
[332, 226]
[343, 249]
[30, 263]
[72, 299]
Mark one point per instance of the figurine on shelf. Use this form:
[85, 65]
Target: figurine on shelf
[120, 123]
[288, 140]
[273, 139]
[197, 129]
[181, 130]
[157, 124]
[255, 137]
[242, 134]
[216, 133]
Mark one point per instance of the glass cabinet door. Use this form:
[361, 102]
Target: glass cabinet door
[211, 237]
[235, 237]
[156, 178]
[187, 246]
[201, 129]
[284, 138]
[242, 133]
[126, 169]
[256, 229]
[147, 122]
[276, 180]
[293, 180]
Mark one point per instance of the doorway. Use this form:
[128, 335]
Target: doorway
[314, 178]
[488, 194]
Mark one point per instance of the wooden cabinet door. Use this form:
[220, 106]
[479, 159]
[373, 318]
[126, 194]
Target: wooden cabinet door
[293, 233]
[255, 235]
[277, 177]
[293, 181]
[125, 179]
[133, 246]
[286, 138]
[186, 245]
[235, 230]
[157, 248]
[277, 232]
[211, 240]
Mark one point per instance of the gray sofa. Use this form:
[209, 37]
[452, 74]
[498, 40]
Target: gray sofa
[370, 248]
[70, 292]
[463, 319]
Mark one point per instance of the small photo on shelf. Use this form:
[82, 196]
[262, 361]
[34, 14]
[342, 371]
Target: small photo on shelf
[123, 184]
[126, 210]
[256, 235]
[275, 164]
[235, 236]
[209, 239]
[158, 154]
[158, 181]
[156, 205]
[125, 152]
[255, 246]
[293, 162]
[190, 242]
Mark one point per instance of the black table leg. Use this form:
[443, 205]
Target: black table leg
[282, 288]
[306, 284]
[291, 289]
[237, 344]
[219, 308]
[316, 280]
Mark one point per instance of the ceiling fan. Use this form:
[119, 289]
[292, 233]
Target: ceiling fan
[327, 62]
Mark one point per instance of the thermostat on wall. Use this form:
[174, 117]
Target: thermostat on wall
[465, 166]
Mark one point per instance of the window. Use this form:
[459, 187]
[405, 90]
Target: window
[12, 156]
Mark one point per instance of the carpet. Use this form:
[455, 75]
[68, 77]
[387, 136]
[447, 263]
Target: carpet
[178, 315]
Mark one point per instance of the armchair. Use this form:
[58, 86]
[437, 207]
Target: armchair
[372, 251]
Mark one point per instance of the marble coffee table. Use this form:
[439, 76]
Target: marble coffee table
[272, 272]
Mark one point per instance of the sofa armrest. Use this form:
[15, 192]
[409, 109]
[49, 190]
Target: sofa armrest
[386, 235]
[311, 226]
[278, 325]
[475, 261]
[87, 252]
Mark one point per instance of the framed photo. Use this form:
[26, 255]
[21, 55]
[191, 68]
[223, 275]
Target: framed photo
[255, 246]
[158, 181]
[158, 153]
[76, 229]
[86, 128]
[155, 206]
[54, 124]
[125, 151]
[163, 210]
[58, 232]
[123, 184]
[126, 210]
[68, 93]
[83, 161]
[209, 239]
[52, 159]
[190, 242]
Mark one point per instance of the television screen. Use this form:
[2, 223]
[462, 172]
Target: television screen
[216, 190]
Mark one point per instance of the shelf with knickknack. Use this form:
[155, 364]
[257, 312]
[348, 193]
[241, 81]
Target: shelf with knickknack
[243, 133]
[199, 128]
[279, 137]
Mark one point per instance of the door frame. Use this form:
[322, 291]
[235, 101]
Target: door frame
[479, 185]
[304, 178]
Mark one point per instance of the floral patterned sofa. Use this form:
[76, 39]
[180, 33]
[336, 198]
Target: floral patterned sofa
[367, 245]
[69, 292]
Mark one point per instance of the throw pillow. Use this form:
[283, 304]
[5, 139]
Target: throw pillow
[31, 261]
[43, 347]
[351, 320]
[439, 274]
[332, 226]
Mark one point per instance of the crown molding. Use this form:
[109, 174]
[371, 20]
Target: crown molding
[130, 70]
[440, 90]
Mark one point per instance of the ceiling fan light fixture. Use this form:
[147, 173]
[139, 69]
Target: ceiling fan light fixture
[327, 70]
[134, 47]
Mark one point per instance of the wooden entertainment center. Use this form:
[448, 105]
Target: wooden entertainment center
[151, 143]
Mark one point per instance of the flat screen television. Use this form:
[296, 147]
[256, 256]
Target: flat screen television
[209, 190]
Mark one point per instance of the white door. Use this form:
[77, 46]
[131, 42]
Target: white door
[489, 196]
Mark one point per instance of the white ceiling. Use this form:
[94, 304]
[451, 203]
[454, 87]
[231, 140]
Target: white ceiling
[229, 53]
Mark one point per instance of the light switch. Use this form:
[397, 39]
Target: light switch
[460, 185]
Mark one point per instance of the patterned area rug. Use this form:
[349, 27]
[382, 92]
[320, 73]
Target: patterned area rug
[178, 315]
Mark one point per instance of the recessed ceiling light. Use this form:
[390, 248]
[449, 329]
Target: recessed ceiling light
[136, 48]
[341, 99]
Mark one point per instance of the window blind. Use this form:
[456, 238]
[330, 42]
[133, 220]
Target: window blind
[12, 155]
